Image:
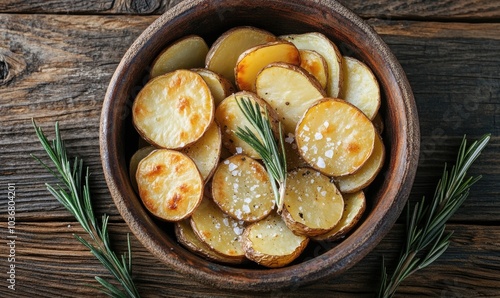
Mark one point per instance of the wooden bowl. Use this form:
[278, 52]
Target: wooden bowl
[387, 195]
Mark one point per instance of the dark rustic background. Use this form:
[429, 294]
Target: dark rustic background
[57, 57]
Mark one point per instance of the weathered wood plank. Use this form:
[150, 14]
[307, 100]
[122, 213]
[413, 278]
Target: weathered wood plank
[452, 67]
[410, 10]
[48, 254]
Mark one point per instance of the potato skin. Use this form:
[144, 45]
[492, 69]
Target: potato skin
[272, 260]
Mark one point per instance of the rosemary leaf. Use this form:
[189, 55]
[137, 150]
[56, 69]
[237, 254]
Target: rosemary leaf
[266, 146]
[74, 195]
[425, 234]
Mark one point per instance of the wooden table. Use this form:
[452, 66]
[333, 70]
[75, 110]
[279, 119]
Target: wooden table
[57, 57]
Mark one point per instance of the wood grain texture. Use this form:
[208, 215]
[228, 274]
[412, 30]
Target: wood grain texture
[57, 67]
[47, 254]
[411, 10]
[55, 78]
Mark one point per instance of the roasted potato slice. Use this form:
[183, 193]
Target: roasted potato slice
[360, 86]
[187, 237]
[328, 50]
[312, 205]
[224, 52]
[170, 185]
[289, 90]
[134, 162]
[173, 110]
[206, 151]
[354, 207]
[187, 52]
[316, 65]
[218, 85]
[251, 61]
[241, 188]
[220, 231]
[229, 117]
[367, 173]
[335, 137]
[271, 243]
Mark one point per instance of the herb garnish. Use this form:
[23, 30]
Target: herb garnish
[426, 239]
[75, 196]
[266, 146]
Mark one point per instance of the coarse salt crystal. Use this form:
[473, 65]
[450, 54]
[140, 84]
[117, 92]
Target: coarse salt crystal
[318, 136]
[226, 162]
[239, 150]
[306, 128]
[323, 193]
[326, 124]
[321, 163]
[329, 153]
[290, 138]
[232, 166]
[304, 148]
[226, 221]
[238, 230]
[246, 209]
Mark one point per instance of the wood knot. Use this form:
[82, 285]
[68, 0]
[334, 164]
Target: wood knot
[143, 6]
[11, 65]
[4, 69]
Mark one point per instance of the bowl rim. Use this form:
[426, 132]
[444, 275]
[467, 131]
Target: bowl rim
[332, 262]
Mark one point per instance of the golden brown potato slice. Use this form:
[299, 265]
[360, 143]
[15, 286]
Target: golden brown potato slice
[187, 52]
[360, 86]
[220, 231]
[335, 137]
[316, 65]
[254, 59]
[241, 188]
[367, 173]
[218, 85]
[187, 237]
[271, 243]
[224, 52]
[134, 162]
[170, 185]
[289, 90]
[312, 205]
[354, 207]
[206, 151]
[229, 117]
[328, 50]
[173, 110]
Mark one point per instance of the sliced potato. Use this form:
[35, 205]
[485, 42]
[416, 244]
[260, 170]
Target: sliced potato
[229, 117]
[220, 231]
[289, 90]
[360, 86]
[251, 61]
[218, 85]
[312, 205]
[224, 52]
[170, 185]
[367, 173]
[335, 137]
[241, 188]
[271, 243]
[328, 50]
[186, 236]
[316, 65]
[354, 207]
[134, 162]
[187, 52]
[173, 110]
[206, 151]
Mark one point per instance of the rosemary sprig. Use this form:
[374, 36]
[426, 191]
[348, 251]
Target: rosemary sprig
[75, 196]
[266, 146]
[426, 239]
